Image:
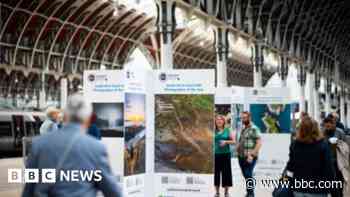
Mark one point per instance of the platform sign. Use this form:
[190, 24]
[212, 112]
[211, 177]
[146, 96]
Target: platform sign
[184, 114]
[104, 89]
[136, 131]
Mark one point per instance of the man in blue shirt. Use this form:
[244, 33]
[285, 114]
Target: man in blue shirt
[68, 150]
[50, 124]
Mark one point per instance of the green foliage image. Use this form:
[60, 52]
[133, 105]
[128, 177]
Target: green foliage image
[184, 127]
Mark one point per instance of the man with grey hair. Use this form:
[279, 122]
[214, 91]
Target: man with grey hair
[71, 149]
[50, 124]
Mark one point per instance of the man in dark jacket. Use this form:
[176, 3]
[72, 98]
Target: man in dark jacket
[332, 133]
[336, 118]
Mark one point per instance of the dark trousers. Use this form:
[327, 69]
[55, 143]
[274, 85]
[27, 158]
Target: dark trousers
[338, 192]
[223, 170]
[247, 171]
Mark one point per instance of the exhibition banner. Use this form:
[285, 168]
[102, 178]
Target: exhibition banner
[238, 94]
[135, 128]
[270, 110]
[238, 105]
[104, 89]
[184, 124]
[268, 95]
[223, 96]
[184, 81]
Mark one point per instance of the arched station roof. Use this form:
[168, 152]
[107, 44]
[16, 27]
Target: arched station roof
[65, 37]
[313, 33]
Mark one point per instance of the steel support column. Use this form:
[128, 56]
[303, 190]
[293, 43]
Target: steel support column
[222, 46]
[302, 82]
[317, 85]
[337, 90]
[64, 92]
[342, 105]
[166, 27]
[348, 109]
[328, 104]
[310, 93]
[258, 63]
[42, 93]
[283, 70]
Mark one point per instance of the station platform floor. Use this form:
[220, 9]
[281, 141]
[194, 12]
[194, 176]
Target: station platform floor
[9, 189]
[15, 190]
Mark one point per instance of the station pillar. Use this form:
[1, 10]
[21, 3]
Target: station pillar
[310, 93]
[328, 102]
[283, 70]
[63, 92]
[316, 97]
[258, 63]
[342, 105]
[302, 82]
[42, 92]
[166, 28]
[222, 50]
[348, 109]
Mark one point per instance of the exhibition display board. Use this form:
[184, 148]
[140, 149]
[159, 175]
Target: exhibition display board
[104, 89]
[118, 99]
[184, 114]
[229, 102]
[271, 111]
[135, 131]
[158, 127]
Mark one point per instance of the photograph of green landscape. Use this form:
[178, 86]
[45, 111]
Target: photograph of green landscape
[184, 127]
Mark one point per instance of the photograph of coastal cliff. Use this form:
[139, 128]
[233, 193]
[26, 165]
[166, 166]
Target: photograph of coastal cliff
[135, 134]
[184, 127]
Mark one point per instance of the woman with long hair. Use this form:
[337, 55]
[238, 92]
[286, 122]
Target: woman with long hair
[224, 137]
[310, 160]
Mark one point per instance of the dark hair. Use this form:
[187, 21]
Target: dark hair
[246, 113]
[329, 119]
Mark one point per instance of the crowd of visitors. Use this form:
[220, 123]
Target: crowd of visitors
[318, 152]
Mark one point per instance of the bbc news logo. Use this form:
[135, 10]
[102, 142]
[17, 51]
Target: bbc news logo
[52, 176]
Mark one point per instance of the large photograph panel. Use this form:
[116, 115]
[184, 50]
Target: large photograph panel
[135, 134]
[184, 133]
[272, 118]
[109, 118]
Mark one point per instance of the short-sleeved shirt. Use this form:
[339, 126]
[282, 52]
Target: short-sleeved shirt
[247, 140]
[220, 136]
[48, 126]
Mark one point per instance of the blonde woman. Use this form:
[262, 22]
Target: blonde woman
[224, 137]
